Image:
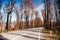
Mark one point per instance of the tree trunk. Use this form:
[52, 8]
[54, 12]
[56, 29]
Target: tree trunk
[7, 21]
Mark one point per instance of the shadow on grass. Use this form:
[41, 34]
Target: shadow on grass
[58, 36]
[2, 38]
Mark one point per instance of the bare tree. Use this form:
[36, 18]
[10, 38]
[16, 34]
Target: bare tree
[0, 16]
[47, 11]
[8, 12]
[9, 8]
[36, 14]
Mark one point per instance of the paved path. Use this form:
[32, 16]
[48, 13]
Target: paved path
[28, 34]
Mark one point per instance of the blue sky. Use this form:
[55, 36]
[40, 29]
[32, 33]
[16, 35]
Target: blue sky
[19, 1]
[35, 2]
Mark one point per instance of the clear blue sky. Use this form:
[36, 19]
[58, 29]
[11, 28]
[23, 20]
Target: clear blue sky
[19, 1]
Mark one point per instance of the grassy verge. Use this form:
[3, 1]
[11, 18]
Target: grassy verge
[58, 34]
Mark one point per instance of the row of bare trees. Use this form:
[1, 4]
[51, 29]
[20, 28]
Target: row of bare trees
[27, 8]
[51, 14]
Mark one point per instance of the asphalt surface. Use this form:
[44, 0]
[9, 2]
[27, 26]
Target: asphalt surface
[28, 34]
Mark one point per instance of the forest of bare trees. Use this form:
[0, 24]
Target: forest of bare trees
[28, 10]
[24, 11]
